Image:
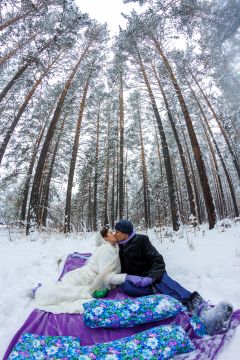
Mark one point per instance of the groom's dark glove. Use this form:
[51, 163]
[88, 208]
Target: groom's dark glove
[139, 281]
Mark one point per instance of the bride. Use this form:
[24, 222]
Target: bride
[102, 271]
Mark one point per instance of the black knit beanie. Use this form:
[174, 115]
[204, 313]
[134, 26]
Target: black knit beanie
[124, 226]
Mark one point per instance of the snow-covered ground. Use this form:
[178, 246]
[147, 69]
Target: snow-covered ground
[202, 260]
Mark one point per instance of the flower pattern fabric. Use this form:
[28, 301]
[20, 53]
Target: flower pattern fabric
[130, 312]
[198, 326]
[158, 343]
[38, 347]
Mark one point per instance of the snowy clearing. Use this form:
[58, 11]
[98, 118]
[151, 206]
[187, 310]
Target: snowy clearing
[203, 260]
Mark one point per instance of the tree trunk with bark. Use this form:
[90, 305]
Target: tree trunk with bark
[67, 221]
[31, 59]
[126, 188]
[45, 197]
[29, 174]
[229, 181]
[230, 149]
[112, 210]
[21, 111]
[180, 148]
[14, 79]
[22, 15]
[179, 197]
[106, 180]
[13, 52]
[33, 212]
[193, 179]
[216, 176]
[96, 175]
[194, 142]
[147, 216]
[14, 20]
[166, 155]
[121, 151]
[159, 194]
[89, 214]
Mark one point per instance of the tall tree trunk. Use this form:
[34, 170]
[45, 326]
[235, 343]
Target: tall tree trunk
[179, 197]
[21, 111]
[158, 152]
[16, 76]
[117, 182]
[195, 146]
[31, 59]
[96, 175]
[12, 52]
[33, 212]
[67, 222]
[166, 155]
[89, 214]
[147, 219]
[106, 180]
[158, 194]
[230, 149]
[126, 188]
[121, 151]
[112, 211]
[215, 170]
[218, 199]
[49, 178]
[180, 148]
[196, 190]
[14, 20]
[25, 14]
[229, 181]
[29, 174]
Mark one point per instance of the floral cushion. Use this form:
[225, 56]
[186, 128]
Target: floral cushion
[130, 312]
[158, 343]
[36, 347]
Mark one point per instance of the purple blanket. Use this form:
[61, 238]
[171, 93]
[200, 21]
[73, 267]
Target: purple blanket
[44, 323]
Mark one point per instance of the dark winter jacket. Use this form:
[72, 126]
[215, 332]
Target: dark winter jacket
[139, 257]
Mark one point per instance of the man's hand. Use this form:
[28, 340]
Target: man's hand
[139, 281]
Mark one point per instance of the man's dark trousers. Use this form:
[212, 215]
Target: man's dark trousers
[166, 286]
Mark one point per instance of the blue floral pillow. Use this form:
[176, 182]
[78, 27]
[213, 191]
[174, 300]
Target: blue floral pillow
[32, 347]
[158, 343]
[130, 312]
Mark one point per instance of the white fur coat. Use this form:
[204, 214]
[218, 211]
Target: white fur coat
[68, 295]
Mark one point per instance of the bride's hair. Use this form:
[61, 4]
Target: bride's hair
[104, 231]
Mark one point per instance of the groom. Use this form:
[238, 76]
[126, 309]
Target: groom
[146, 275]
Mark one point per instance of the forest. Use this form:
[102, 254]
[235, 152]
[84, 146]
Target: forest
[143, 126]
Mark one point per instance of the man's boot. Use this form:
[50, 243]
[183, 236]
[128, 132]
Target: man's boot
[195, 303]
[215, 318]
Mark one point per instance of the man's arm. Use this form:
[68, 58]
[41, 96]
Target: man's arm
[153, 257]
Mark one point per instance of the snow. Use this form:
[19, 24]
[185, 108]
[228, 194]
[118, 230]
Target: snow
[202, 260]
